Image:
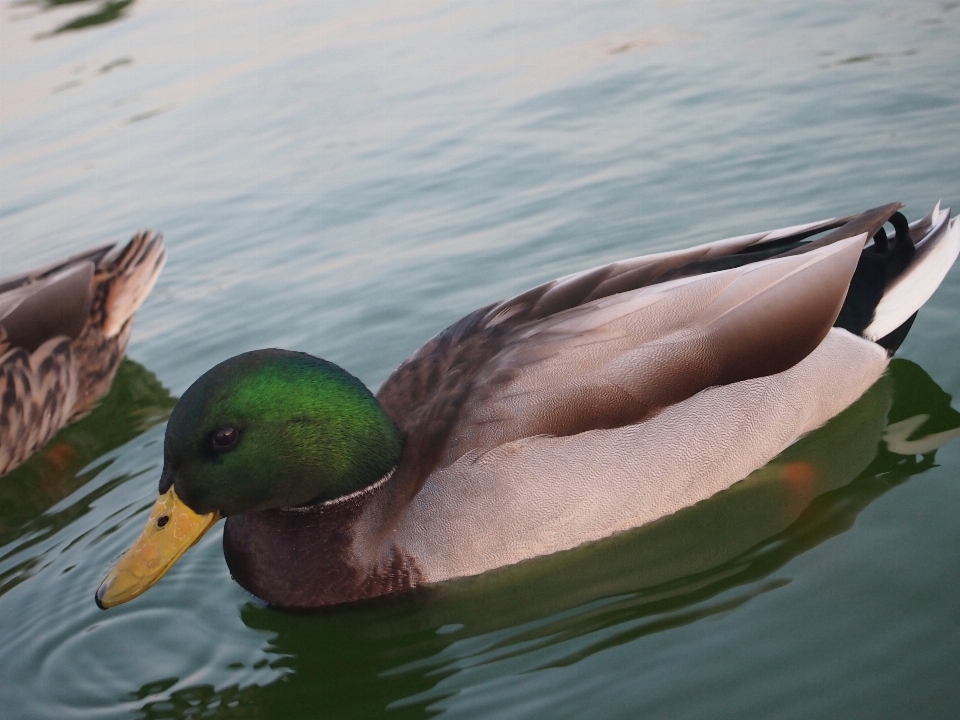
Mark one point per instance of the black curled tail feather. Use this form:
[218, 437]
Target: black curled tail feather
[880, 262]
[899, 253]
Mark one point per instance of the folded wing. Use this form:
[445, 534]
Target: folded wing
[615, 344]
[624, 358]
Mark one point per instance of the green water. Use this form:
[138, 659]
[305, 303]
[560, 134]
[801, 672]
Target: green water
[347, 179]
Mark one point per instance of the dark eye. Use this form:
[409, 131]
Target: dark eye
[224, 438]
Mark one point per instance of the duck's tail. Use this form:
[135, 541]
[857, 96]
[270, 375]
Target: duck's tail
[124, 278]
[915, 275]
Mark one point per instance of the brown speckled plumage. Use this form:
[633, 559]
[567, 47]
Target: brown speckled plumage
[64, 329]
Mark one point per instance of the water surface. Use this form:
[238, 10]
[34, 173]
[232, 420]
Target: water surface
[347, 179]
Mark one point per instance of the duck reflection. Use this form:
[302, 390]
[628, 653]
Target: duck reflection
[360, 659]
[136, 402]
[809, 493]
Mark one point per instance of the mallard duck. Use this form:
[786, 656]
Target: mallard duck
[63, 331]
[581, 408]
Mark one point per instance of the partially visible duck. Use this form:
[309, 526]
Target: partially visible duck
[64, 329]
[586, 406]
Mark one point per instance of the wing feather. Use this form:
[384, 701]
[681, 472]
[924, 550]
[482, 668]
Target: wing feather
[48, 307]
[622, 359]
[451, 395]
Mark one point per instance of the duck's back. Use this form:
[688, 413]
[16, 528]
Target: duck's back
[613, 397]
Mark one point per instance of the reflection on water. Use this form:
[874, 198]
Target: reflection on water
[136, 402]
[349, 178]
[409, 653]
[57, 3]
[107, 11]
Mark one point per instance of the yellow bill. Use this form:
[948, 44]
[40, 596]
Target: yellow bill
[172, 529]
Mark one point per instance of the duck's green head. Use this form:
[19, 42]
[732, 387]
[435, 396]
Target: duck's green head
[273, 428]
[265, 429]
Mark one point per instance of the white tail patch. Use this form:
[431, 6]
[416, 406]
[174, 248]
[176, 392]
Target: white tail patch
[898, 437]
[935, 255]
